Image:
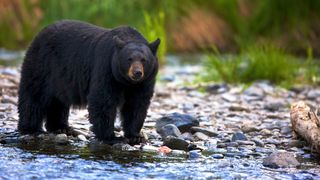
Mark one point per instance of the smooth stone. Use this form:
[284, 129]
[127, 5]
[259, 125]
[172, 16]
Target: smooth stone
[208, 132]
[169, 130]
[238, 136]
[176, 143]
[81, 137]
[216, 151]
[229, 97]
[175, 152]
[217, 156]
[200, 136]
[183, 121]
[238, 107]
[280, 159]
[274, 106]
[313, 94]
[194, 154]
[149, 148]
[61, 139]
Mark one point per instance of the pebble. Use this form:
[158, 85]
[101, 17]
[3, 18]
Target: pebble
[280, 159]
[123, 147]
[238, 107]
[217, 156]
[187, 136]
[61, 139]
[246, 128]
[194, 154]
[238, 136]
[258, 142]
[200, 136]
[149, 148]
[175, 152]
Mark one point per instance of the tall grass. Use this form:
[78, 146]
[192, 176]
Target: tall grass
[153, 28]
[264, 63]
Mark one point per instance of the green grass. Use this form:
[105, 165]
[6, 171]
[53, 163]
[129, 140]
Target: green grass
[264, 63]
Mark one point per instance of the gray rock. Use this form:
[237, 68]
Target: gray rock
[217, 156]
[254, 91]
[217, 88]
[61, 139]
[187, 136]
[200, 136]
[280, 159]
[176, 143]
[169, 130]
[208, 132]
[313, 94]
[194, 154]
[183, 121]
[286, 130]
[250, 143]
[238, 136]
[81, 137]
[229, 97]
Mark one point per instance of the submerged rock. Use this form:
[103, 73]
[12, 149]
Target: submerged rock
[183, 121]
[280, 159]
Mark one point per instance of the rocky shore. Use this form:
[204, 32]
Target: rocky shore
[215, 121]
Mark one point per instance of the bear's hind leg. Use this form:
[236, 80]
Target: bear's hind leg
[57, 117]
[30, 116]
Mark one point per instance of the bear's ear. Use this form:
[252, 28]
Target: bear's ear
[119, 42]
[154, 46]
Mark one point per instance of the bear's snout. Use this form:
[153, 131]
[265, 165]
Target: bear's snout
[136, 71]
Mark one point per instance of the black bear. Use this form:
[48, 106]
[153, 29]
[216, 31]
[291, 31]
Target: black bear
[73, 63]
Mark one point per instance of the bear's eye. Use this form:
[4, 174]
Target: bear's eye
[143, 60]
[130, 59]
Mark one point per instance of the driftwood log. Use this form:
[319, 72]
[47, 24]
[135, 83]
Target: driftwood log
[306, 124]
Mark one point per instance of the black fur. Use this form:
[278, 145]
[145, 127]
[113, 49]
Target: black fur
[71, 63]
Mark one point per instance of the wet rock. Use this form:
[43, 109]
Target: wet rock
[241, 142]
[82, 137]
[169, 130]
[238, 107]
[217, 156]
[194, 154]
[123, 147]
[208, 132]
[280, 159]
[200, 136]
[238, 136]
[183, 121]
[61, 139]
[176, 143]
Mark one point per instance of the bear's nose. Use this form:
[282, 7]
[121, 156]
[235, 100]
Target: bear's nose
[137, 74]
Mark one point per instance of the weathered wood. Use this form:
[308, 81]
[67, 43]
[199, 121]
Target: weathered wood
[306, 124]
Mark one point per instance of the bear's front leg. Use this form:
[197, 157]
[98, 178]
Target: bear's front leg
[102, 113]
[134, 112]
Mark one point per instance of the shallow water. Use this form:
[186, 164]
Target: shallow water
[93, 161]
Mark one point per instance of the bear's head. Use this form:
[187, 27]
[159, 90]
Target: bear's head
[135, 62]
